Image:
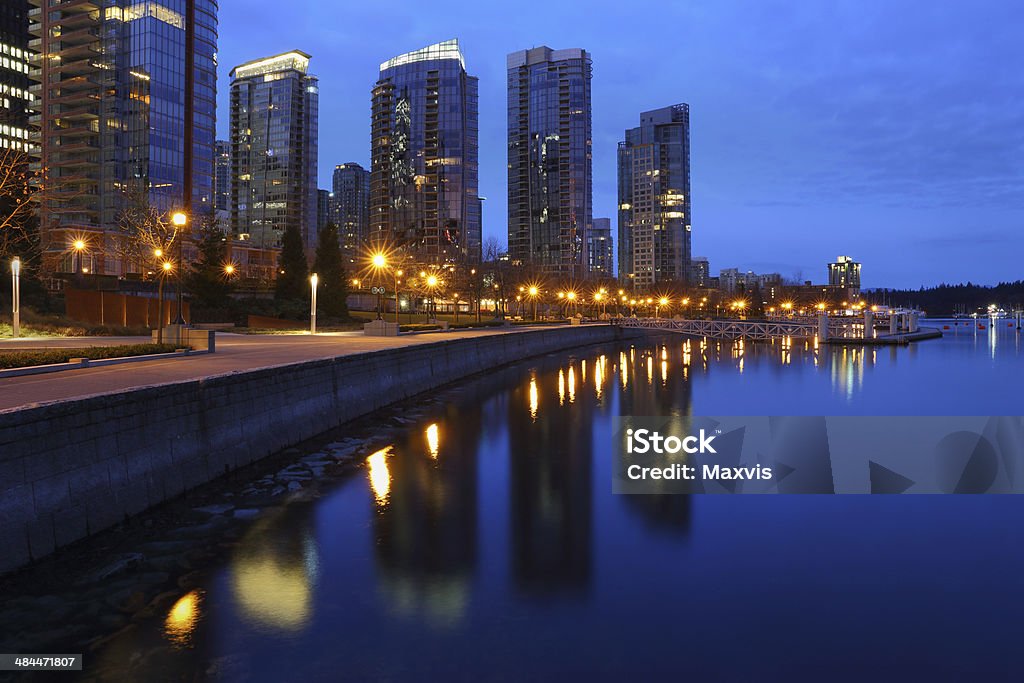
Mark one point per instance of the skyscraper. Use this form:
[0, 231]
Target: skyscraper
[600, 248]
[274, 103]
[549, 159]
[424, 194]
[654, 199]
[323, 209]
[222, 176]
[14, 67]
[351, 208]
[126, 106]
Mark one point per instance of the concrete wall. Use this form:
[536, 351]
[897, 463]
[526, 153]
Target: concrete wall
[73, 468]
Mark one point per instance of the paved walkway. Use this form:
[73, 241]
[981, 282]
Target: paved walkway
[235, 352]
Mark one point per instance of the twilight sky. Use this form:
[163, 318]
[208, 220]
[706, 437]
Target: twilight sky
[889, 130]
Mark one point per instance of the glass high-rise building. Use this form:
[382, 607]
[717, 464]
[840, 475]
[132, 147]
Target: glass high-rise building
[14, 82]
[601, 248]
[323, 209]
[424, 193]
[125, 95]
[654, 200]
[274, 104]
[222, 176]
[351, 209]
[550, 193]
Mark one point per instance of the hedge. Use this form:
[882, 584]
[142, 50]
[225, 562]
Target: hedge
[25, 359]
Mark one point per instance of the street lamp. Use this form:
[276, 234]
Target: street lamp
[663, 301]
[398, 274]
[179, 219]
[165, 269]
[313, 280]
[16, 296]
[432, 284]
[533, 291]
[76, 258]
[229, 269]
[379, 262]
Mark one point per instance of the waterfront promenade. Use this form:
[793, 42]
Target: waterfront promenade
[235, 353]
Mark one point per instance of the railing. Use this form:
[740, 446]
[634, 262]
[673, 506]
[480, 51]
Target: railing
[726, 329]
[758, 330]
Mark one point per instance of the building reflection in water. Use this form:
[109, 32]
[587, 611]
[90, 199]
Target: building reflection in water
[425, 532]
[550, 487]
[667, 513]
[274, 571]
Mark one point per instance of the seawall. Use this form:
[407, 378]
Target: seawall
[73, 468]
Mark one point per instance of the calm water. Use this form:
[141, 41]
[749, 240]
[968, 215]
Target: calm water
[483, 542]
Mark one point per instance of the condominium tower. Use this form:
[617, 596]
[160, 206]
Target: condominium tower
[350, 209]
[654, 199]
[424, 196]
[550, 194]
[125, 98]
[274, 103]
[14, 82]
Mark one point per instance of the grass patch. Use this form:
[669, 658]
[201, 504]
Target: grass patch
[32, 358]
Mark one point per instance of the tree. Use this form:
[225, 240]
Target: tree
[21, 189]
[292, 271]
[146, 233]
[208, 282]
[329, 267]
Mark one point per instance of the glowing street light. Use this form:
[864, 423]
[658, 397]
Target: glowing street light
[78, 246]
[314, 279]
[179, 219]
[533, 291]
[229, 269]
[16, 296]
[663, 301]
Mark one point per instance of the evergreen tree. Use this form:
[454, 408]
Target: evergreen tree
[292, 271]
[332, 292]
[208, 282]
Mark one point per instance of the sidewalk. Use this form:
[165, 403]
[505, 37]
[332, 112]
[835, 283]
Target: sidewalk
[235, 353]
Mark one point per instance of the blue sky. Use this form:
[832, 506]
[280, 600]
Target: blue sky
[892, 131]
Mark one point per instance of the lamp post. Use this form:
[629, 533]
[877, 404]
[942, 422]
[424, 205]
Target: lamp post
[179, 220]
[76, 256]
[313, 280]
[379, 262]
[533, 292]
[16, 296]
[398, 273]
[165, 269]
[663, 301]
[432, 284]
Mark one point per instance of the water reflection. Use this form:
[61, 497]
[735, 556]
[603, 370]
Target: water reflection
[486, 531]
[550, 494]
[379, 475]
[425, 538]
[182, 619]
[274, 572]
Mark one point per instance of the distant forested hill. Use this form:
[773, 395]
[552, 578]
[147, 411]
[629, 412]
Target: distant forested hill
[948, 299]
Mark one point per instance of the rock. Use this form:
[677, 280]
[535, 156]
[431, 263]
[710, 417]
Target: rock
[278, 490]
[294, 486]
[122, 564]
[246, 513]
[189, 581]
[218, 509]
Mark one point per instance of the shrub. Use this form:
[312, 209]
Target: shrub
[31, 358]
